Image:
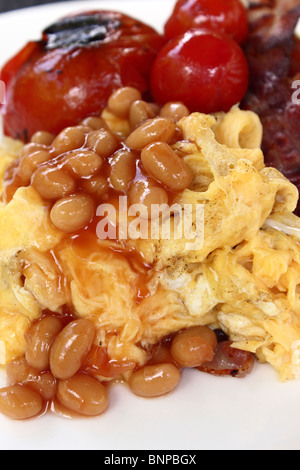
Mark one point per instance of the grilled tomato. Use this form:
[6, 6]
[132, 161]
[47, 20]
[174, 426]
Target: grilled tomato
[70, 73]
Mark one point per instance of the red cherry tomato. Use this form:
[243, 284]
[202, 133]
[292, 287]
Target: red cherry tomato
[226, 16]
[207, 71]
[70, 74]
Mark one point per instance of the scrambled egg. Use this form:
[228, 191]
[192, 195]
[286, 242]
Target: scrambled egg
[245, 277]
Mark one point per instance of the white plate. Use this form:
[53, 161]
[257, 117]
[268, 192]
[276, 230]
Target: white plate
[205, 412]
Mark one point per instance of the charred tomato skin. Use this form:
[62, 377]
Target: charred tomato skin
[70, 73]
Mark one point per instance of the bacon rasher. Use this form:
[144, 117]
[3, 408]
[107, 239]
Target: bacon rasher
[273, 54]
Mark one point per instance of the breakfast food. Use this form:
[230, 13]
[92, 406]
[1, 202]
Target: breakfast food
[216, 81]
[79, 308]
[271, 51]
[143, 239]
[78, 63]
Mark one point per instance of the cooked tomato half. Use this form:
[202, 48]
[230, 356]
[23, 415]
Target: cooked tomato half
[70, 73]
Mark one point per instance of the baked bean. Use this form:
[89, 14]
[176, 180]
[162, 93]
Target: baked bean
[83, 163]
[19, 372]
[19, 402]
[155, 108]
[161, 162]
[84, 128]
[194, 346]
[95, 123]
[155, 380]
[154, 130]
[52, 183]
[42, 137]
[142, 192]
[103, 142]
[30, 163]
[123, 169]
[28, 149]
[140, 111]
[174, 111]
[39, 339]
[45, 384]
[161, 354]
[69, 139]
[97, 185]
[83, 394]
[121, 100]
[70, 347]
[72, 213]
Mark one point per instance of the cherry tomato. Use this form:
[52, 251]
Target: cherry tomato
[226, 16]
[70, 74]
[206, 71]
